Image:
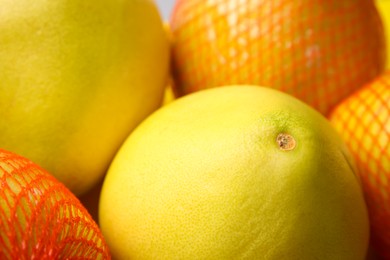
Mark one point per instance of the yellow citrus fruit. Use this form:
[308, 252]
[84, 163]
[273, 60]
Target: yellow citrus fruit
[363, 120]
[239, 172]
[384, 10]
[40, 218]
[76, 78]
[318, 51]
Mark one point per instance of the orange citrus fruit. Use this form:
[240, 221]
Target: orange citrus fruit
[40, 218]
[318, 51]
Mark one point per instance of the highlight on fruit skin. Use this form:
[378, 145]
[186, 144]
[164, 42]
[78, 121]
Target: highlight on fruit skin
[40, 218]
[363, 120]
[318, 51]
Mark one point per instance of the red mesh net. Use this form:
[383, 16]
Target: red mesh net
[317, 50]
[40, 218]
[363, 120]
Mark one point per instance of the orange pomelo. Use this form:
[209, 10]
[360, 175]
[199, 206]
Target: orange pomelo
[319, 51]
[75, 78]
[363, 120]
[238, 172]
[40, 218]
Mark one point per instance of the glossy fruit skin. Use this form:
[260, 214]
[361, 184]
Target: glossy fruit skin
[204, 177]
[318, 51]
[76, 78]
[40, 218]
[363, 121]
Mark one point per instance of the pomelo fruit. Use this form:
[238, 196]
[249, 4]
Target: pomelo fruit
[363, 120]
[76, 78]
[318, 51]
[239, 172]
[40, 218]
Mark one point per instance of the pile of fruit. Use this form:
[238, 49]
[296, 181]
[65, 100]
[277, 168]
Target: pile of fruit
[236, 130]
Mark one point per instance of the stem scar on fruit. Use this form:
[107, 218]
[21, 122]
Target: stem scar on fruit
[285, 142]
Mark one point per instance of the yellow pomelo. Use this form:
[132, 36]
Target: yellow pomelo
[238, 172]
[76, 78]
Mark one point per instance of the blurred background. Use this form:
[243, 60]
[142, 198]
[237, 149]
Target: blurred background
[165, 8]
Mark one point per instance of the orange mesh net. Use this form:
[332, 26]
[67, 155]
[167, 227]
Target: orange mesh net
[363, 120]
[317, 50]
[40, 218]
